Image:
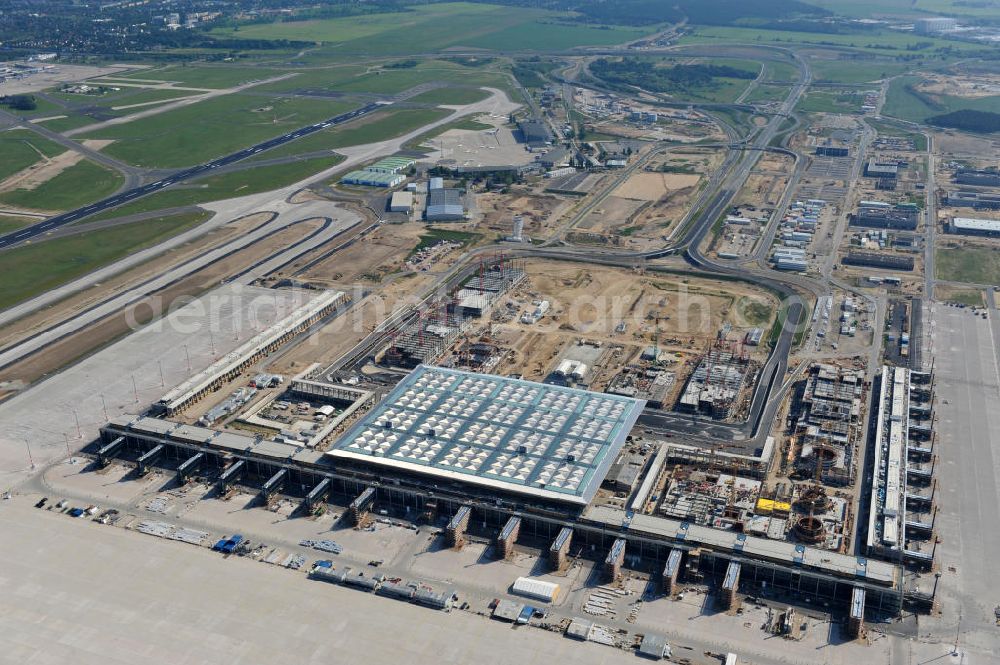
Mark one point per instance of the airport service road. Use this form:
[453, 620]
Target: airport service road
[965, 353]
[305, 211]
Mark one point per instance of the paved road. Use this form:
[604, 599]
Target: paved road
[29, 232]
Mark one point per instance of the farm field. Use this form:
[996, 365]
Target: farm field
[199, 132]
[436, 27]
[78, 185]
[36, 268]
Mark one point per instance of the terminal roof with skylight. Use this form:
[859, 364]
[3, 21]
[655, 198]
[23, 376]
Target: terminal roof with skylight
[530, 438]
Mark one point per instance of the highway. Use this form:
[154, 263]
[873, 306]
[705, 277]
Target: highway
[43, 227]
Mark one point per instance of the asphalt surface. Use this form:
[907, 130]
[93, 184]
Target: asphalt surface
[29, 232]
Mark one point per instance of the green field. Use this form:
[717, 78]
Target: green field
[903, 101]
[39, 267]
[781, 71]
[223, 186]
[439, 26]
[9, 223]
[71, 121]
[199, 132]
[20, 148]
[767, 93]
[80, 184]
[824, 101]
[912, 8]
[450, 96]
[374, 128]
[855, 71]
[876, 42]
[199, 76]
[971, 264]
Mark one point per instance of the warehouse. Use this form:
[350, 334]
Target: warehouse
[372, 179]
[970, 199]
[981, 178]
[875, 169]
[401, 202]
[879, 260]
[974, 227]
[444, 205]
[535, 133]
[526, 438]
[880, 217]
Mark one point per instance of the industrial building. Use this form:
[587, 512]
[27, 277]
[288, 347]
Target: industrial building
[373, 179]
[935, 25]
[830, 151]
[535, 132]
[972, 199]
[505, 434]
[444, 204]
[982, 178]
[390, 165]
[401, 202]
[885, 216]
[882, 260]
[974, 227]
[876, 169]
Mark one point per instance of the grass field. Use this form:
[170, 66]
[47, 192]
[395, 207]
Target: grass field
[201, 76]
[38, 267]
[223, 186]
[767, 93]
[123, 97]
[877, 42]
[374, 128]
[440, 26]
[20, 148]
[967, 297]
[71, 121]
[823, 101]
[855, 72]
[434, 236]
[80, 184]
[970, 264]
[199, 132]
[9, 223]
[781, 71]
[914, 8]
[450, 96]
[905, 103]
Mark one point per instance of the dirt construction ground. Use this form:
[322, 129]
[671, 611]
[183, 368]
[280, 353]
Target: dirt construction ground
[591, 303]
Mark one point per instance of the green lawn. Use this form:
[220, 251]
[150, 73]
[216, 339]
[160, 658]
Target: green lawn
[199, 132]
[971, 264]
[9, 223]
[39, 267]
[371, 129]
[450, 96]
[439, 26]
[80, 184]
[223, 186]
[856, 71]
[200, 76]
[20, 148]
